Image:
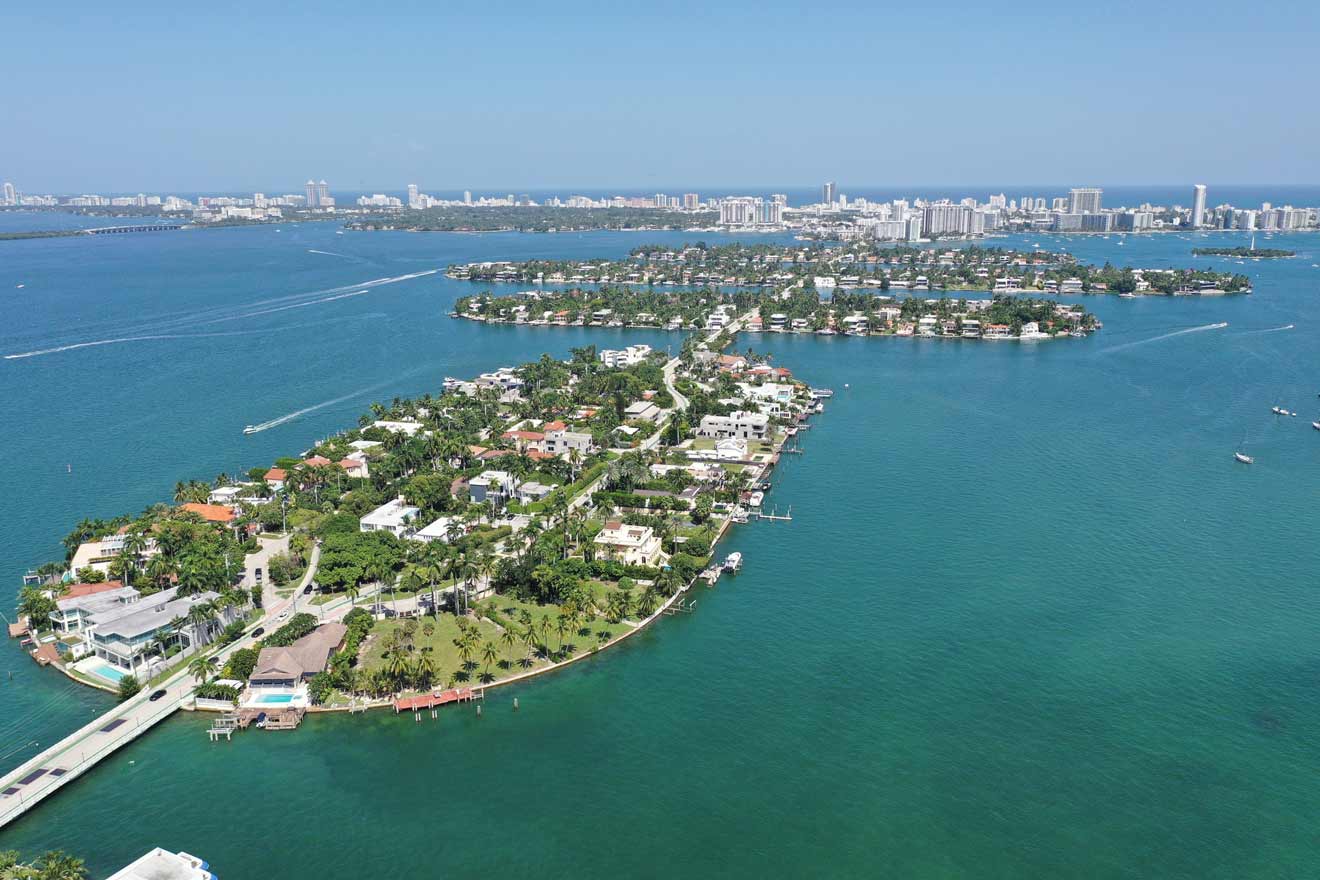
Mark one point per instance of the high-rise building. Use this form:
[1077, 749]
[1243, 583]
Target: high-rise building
[827, 193]
[412, 196]
[1198, 205]
[467, 196]
[691, 201]
[323, 199]
[1084, 200]
[11, 195]
[309, 191]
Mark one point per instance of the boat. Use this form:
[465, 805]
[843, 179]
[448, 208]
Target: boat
[1316, 425]
[819, 408]
[1243, 457]
[756, 499]
[739, 515]
[733, 562]
[250, 429]
[822, 393]
[1280, 411]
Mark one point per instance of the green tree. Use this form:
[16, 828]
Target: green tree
[128, 687]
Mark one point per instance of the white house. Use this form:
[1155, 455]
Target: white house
[409, 427]
[642, 410]
[740, 424]
[395, 516]
[496, 486]
[82, 601]
[440, 530]
[633, 354]
[771, 391]
[124, 636]
[631, 545]
[731, 449]
[560, 441]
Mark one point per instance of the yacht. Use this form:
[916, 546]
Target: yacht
[1243, 457]
[1280, 411]
[1316, 425]
[250, 429]
[733, 562]
[756, 499]
[822, 393]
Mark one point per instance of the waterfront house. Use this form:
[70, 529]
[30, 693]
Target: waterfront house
[740, 424]
[394, 516]
[81, 601]
[524, 440]
[127, 636]
[288, 667]
[355, 466]
[631, 545]
[996, 331]
[98, 553]
[408, 427]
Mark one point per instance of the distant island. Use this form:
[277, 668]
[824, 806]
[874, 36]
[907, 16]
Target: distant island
[858, 264]
[1243, 252]
[532, 218]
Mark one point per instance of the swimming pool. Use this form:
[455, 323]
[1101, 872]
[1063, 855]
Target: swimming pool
[104, 670]
[273, 699]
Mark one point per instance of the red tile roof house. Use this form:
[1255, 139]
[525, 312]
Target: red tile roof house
[524, 440]
[216, 513]
[276, 477]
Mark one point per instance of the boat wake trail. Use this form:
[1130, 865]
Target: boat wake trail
[1267, 330]
[1220, 326]
[329, 254]
[296, 414]
[152, 336]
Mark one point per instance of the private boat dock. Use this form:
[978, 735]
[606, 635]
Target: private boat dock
[435, 699]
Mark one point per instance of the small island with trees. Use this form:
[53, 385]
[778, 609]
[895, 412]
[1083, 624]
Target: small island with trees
[865, 265]
[1246, 253]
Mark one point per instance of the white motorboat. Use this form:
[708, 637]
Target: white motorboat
[1243, 457]
[250, 429]
[756, 499]
[733, 562]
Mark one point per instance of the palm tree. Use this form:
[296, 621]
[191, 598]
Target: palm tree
[488, 653]
[202, 668]
[508, 638]
[563, 622]
[424, 670]
[464, 646]
[56, 865]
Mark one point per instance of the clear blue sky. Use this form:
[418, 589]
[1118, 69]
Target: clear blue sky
[154, 96]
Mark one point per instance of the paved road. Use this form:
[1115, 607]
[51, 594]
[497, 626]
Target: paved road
[72, 756]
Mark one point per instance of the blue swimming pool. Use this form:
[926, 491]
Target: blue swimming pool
[105, 670]
[273, 699]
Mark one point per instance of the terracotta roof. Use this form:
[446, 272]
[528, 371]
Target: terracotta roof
[554, 426]
[538, 455]
[216, 513]
[523, 435]
[277, 474]
[349, 464]
[316, 461]
[76, 590]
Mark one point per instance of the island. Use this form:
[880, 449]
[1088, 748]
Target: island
[797, 310]
[532, 218]
[1249, 253]
[504, 526]
[858, 264]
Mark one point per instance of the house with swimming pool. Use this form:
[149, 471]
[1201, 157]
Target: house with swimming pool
[280, 677]
[132, 637]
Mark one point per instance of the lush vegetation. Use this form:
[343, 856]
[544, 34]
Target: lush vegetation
[1244, 252]
[53, 865]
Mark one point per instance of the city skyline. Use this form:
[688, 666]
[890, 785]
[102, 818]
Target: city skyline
[537, 113]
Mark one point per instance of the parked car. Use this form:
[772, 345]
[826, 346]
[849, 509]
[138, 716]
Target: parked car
[258, 575]
[156, 695]
[258, 632]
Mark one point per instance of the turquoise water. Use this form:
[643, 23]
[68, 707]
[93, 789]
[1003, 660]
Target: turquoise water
[266, 699]
[1029, 620]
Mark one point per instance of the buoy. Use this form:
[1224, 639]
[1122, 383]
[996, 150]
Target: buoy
[515, 699]
[478, 710]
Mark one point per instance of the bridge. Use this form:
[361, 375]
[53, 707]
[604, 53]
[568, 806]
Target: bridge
[38, 778]
[143, 227]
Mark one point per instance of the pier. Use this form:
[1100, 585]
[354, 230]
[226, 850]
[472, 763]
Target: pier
[38, 778]
[142, 227]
